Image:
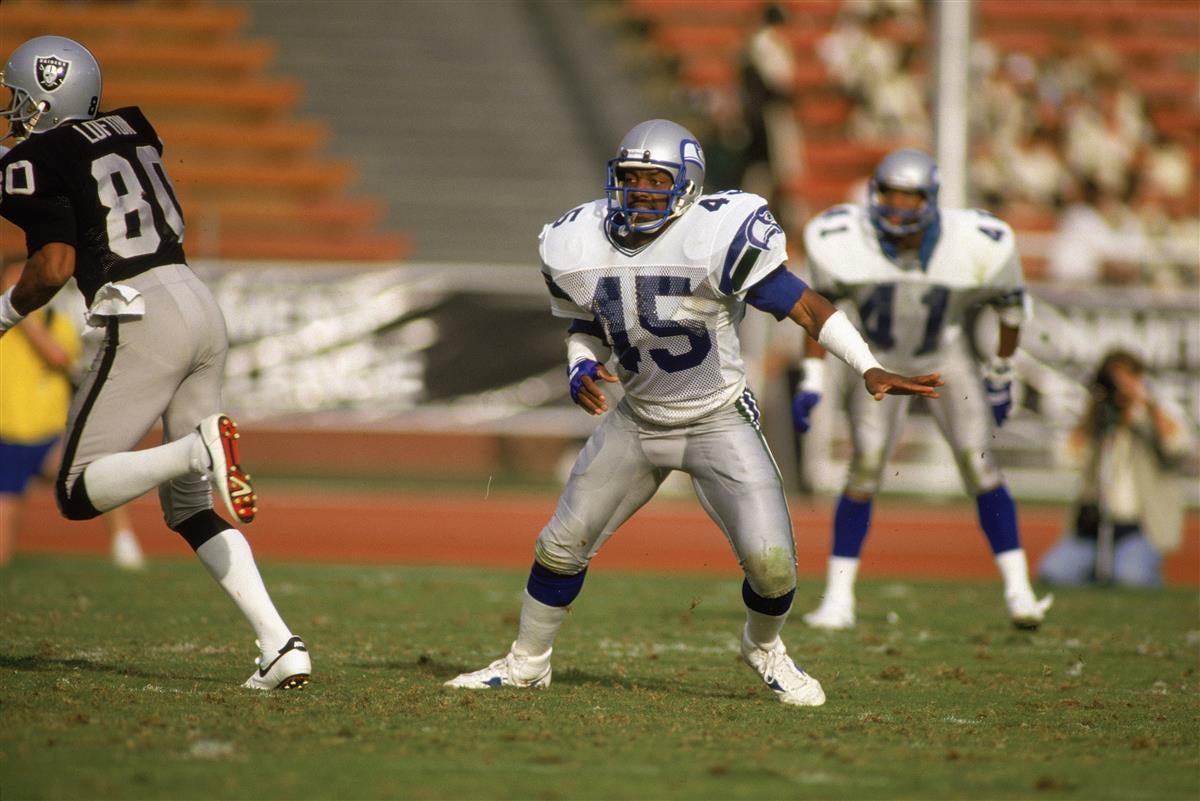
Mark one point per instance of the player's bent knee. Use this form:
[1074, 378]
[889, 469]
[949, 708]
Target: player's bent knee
[561, 562]
[773, 606]
[74, 503]
[862, 485]
[771, 574]
[553, 555]
[200, 527]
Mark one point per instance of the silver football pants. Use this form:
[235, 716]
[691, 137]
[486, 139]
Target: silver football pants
[732, 471]
[166, 365]
[961, 414]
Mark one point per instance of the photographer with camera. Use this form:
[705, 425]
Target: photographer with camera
[1129, 511]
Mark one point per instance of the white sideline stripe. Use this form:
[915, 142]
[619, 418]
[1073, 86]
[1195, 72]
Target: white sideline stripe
[154, 688]
[614, 648]
[211, 749]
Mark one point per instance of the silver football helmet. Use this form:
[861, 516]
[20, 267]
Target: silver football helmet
[909, 171]
[53, 80]
[667, 146]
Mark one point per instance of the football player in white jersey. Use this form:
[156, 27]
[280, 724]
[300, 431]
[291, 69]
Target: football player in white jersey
[657, 278]
[912, 272]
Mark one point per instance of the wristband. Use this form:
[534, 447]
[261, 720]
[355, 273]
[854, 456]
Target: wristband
[813, 379]
[9, 316]
[841, 338]
[582, 346]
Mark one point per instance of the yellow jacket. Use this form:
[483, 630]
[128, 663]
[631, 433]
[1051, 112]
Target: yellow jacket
[35, 397]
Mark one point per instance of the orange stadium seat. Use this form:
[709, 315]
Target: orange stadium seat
[280, 141]
[1099, 13]
[306, 180]
[247, 100]
[309, 246]
[249, 175]
[257, 215]
[134, 21]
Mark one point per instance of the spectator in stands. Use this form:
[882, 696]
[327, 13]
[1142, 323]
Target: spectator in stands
[1104, 137]
[774, 155]
[857, 52]
[1011, 95]
[35, 392]
[1034, 174]
[1129, 511]
[895, 108]
[1172, 258]
[1167, 167]
[1099, 240]
[1071, 130]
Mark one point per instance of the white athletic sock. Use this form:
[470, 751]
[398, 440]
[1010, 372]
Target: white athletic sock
[120, 477]
[1014, 569]
[230, 561]
[539, 626]
[840, 575]
[763, 630]
[127, 551]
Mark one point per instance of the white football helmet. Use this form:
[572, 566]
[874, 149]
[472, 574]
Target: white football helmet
[667, 146]
[909, 171]
[53, 80]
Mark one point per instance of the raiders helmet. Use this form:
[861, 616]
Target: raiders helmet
[665, 145]
[908, 171]
[53, 80]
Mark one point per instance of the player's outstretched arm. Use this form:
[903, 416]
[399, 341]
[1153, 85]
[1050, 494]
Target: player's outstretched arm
[834, 332]
[45, 273]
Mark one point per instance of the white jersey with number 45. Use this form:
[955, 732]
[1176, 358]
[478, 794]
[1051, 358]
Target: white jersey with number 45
[910, 309]
[670, 309]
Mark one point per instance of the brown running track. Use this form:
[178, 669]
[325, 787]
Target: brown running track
[908, 539]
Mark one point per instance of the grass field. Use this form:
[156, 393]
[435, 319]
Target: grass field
[126, 686]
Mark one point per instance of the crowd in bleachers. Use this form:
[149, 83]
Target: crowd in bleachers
[1062, 141]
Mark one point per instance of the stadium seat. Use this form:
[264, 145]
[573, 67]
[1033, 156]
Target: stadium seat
[250, 175]
[133, 22]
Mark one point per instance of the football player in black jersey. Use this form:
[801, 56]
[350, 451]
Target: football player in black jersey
[90, 191]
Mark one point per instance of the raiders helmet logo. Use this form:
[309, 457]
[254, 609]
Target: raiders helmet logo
[51, 72]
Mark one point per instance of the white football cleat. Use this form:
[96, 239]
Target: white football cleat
[1026, 611]
[790, 683]
[229, 481]
[513, 670]
[831, 616]
[289, 669]
[127, 553]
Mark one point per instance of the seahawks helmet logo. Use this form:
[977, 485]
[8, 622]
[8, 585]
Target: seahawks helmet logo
[51, 72]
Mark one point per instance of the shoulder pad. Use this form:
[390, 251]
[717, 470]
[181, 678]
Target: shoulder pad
[833, 223]
[564, 241]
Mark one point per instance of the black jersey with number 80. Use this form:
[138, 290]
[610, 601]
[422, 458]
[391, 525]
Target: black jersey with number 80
[100, 186]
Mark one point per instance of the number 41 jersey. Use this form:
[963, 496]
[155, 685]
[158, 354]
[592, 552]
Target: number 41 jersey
[670, 309]
[912, 308]
[98, 185]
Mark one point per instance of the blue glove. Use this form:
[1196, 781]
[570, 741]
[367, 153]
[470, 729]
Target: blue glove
[997, 381]
[802, 404]
[583, 368]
